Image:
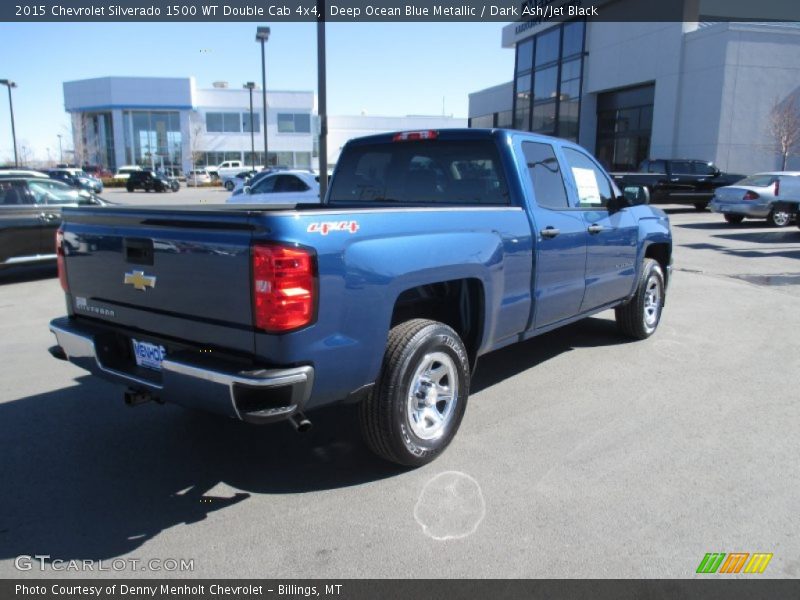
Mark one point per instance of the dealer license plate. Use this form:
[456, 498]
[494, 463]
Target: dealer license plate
[148, 355]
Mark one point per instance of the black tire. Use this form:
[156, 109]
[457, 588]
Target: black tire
[229, 185]
[734, 219]
[779, 217]
[700, 206]
[129, 188]
[639, 317]
[386, 423]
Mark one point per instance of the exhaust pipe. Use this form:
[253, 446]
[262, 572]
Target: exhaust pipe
[300, 422]
[135, 397]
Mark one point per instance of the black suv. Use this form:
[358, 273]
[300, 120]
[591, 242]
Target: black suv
[148, 180]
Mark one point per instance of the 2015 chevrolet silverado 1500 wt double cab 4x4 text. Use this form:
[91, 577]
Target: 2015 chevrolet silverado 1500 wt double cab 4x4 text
[430, 249]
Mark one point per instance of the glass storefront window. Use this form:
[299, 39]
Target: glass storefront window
[294, 123]
[246, 122]
[573, 38]
[545, 84]
[544, 118]
[523, 102]
[525, 56]
[302, 160]
[547, 46]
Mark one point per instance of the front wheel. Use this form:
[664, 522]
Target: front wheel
[639, 318]
[779, 217]
[734, 219]
[416, 406]
[229, 185]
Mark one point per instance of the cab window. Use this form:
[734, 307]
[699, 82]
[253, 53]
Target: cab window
[593, 187]
[545, 174]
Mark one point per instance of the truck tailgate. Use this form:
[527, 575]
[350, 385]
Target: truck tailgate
[182, 274]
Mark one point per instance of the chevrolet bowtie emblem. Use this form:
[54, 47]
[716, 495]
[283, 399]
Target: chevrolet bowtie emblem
[139, 280]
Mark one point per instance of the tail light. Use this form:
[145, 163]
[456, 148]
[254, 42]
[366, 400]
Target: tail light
[777, 187]
[62, 268]
[410, 136]
[750, 195]
[284, 287]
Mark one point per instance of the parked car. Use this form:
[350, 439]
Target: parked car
[755, 197]
[789, 197]
[12, 172]
[125, 171]
[681, 181]
[432, 248]
[239, 189]
[97, 171]
[150, 182]
[198, 177]
[279, 187]
[30, 213]
[240, 179]
[77, 179]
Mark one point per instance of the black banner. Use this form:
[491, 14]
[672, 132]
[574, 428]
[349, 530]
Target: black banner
[352, 11]
[386, 589]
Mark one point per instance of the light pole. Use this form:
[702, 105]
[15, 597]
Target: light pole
[262, 35]
[60, 151]
[322, 91]
[10, 84]
[251, 86]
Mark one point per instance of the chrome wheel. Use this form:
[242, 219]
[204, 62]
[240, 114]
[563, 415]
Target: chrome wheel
[432, 396]
[652, 302]
[780, 218]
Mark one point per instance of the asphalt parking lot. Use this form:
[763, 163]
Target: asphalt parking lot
[582, 454]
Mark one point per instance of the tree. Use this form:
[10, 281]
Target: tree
[196, 141]
[783, 126]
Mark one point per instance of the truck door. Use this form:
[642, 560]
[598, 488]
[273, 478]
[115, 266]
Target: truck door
[682, 182]
[20, 223]
[561, 238]
[613, 237]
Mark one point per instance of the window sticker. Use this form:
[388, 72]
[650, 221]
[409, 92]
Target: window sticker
[588, 189]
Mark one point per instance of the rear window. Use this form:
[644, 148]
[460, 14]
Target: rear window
[758, 180]
[430, 172]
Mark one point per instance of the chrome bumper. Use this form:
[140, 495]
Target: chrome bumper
[258, 396]
[745, 209]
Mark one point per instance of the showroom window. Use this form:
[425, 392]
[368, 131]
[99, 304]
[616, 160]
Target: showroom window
[549, 70]
[246, 122]
[294, 123]
[223, 122]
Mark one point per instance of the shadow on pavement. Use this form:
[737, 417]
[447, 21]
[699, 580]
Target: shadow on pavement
[21, 274]
[85, 477]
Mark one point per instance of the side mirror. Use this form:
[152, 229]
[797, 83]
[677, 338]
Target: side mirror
[636, 195]
[247, 189]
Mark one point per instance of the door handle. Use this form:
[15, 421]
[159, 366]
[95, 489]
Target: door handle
[595, 229]
[674, 179]
[47, 216]
[550, 232]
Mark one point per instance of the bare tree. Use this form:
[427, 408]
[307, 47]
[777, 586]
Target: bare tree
[196, 141]
[25, 152]
[783, 126]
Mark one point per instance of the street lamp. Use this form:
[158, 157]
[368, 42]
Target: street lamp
[10, 84]
[251, 86]
[60, 151]
[262, 35]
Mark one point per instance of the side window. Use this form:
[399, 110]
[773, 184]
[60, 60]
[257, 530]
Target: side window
[289, 183]
[594, 190]
[13, 193]
[265, 186]
[682, 167]
[545, 174]
[657, 166]
[702, 168]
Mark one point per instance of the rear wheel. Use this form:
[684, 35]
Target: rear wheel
[129, 188]
[229, 186]
[779, 217]
[416, 406]
[734, 219]
[639, 318]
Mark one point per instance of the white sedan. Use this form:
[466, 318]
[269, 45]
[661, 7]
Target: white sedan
[755, 197]
[280, 187]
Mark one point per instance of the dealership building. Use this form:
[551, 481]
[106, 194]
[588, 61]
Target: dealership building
[170, 122]
[628, 91]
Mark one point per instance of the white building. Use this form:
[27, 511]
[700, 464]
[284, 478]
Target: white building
[631, 91]
[169, 122]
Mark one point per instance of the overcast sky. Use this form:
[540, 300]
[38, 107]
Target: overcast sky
[380, 68]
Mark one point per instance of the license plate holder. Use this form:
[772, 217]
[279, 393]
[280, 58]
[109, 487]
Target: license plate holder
[148, 355]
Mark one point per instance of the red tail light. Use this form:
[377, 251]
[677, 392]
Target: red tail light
[62, 268]
[284, 287]
[750, 195]
[410, 136]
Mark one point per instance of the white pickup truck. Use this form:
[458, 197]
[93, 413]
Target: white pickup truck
[231, 168]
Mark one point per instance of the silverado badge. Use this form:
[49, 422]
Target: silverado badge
[139, 280]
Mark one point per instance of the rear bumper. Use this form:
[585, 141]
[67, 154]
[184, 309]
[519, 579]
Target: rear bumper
[746, 209]
[256, 395]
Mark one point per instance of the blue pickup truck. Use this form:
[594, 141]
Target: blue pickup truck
[430, 249]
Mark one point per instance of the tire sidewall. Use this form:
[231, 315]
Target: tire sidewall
[774, 223]
[435, 338]
[653, 270]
